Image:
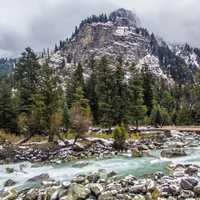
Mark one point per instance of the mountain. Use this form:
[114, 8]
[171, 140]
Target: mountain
[121, 35]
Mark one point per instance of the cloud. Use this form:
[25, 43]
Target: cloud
[40, 24]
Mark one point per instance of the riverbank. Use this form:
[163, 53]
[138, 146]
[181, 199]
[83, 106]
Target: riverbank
[49, 176]
[183, 182]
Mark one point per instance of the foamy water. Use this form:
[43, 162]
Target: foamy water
[124, 165]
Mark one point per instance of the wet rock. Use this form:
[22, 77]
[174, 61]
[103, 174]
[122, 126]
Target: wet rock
[39, 178]
[102, 174]
[158, 175]
[188, 183]
[112, 173]
[93, 178]
[78, 191]
[95, 188]
[9, 170]
[50, 183]
[80, 164]
[136, 152]
[171, 153]
[9, 183]
[79, 179]
[191, 170]
[143, 147]
[171, 189]
[130, 179]
[65, 184]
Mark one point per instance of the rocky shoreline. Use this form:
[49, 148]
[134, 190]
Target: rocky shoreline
[90, 148]
[55, 152]
[182, 181]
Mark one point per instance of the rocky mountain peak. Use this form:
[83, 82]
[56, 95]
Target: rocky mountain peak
[120, 35]
[123, 17]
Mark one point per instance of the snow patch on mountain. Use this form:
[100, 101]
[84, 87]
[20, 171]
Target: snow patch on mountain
[187, 53]
[153, 65]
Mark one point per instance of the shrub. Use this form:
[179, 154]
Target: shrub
[120, 136]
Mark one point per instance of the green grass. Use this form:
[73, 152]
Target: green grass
[102, 135]
[13, 138]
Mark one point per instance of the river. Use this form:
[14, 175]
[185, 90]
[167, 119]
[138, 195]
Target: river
[123, 165]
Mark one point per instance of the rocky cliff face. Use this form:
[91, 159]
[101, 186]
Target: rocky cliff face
[120, 35]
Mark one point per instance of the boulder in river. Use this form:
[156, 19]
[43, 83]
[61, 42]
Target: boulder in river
[172, 153]
[9, 183]
[9, 170]
[136, 152]
[79, 179]
[191, 170]
[39, 178]
[80, 164]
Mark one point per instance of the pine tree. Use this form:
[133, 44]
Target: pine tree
[26, 79]
[168, 101]
[148, 90]
[104, 92]
[91, 92]
[137, 109]
[76, 81]
[47, 99]
[7, 111]
[119, 94]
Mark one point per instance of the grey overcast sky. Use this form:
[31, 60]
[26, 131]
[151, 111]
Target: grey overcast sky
[42, 23]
